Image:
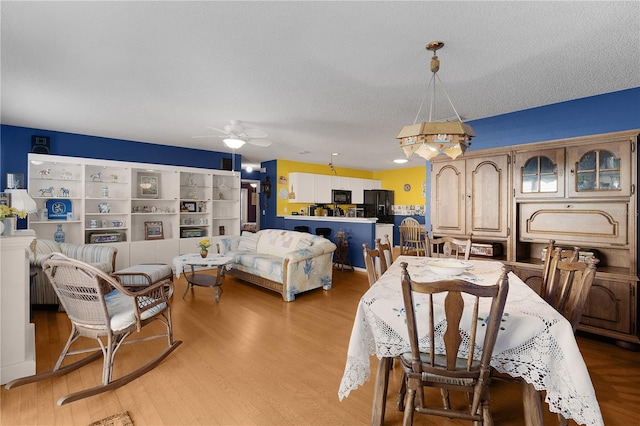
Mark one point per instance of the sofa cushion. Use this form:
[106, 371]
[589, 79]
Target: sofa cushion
[278, 242]
[262, 264]
[248, 241]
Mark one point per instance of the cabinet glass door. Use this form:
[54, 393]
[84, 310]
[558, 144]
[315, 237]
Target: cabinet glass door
[600, 171]
[539, 174]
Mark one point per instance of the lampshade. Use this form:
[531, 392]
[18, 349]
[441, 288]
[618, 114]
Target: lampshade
[21, 200]
[233, 143]
[432, 138]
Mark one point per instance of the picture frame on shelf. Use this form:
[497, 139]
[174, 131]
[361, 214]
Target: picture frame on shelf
[148, 185]
[188, 207]
[15, 181]
[153, 230]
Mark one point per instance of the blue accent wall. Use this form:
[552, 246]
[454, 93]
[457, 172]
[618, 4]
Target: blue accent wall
[15, 144]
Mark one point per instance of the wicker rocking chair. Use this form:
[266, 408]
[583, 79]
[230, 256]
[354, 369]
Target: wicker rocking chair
[100, 308]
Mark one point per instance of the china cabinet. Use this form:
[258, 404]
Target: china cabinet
[470, 196]
[149, 212]
[579, 192]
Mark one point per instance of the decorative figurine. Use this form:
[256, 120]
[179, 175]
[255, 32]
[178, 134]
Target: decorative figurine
[97, 177]
[65, 175]
[46, 191]
[64, 192]
[45, 174]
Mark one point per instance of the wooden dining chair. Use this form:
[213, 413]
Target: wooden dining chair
[375, 263]
[100, 308]
[385, 247]
[413, 238]
[446, 364]
[569, 285]
[546, 270]
[451, 247]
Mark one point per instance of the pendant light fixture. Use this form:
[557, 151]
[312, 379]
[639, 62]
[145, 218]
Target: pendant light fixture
[431, 138]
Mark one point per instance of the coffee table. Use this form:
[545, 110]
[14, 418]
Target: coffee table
[203, 280]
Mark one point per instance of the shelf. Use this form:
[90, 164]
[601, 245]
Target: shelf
[137, 193]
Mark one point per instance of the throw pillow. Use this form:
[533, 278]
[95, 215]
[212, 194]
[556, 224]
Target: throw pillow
[248, 241]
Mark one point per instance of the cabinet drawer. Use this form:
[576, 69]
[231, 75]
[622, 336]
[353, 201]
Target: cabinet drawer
[578, 223]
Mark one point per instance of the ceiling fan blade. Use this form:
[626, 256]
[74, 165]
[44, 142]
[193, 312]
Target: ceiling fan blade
[206, 136]
[258, 142]
[255, 133]
[217, 130]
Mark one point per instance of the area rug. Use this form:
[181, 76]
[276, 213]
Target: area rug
[121, 419]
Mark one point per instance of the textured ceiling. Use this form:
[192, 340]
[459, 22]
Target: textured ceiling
[317, 77]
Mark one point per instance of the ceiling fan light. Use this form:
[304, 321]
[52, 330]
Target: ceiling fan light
[233, 143]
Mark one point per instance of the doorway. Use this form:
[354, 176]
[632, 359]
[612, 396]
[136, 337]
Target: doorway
[250, 205]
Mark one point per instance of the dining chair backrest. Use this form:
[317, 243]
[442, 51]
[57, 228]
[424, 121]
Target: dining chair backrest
[374, 262]
[451, 247]
[566, 254]
[409, 221]
[569, 285]
[384, 246]
[450, 360]
[413, 240]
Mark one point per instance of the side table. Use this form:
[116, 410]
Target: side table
[203, 280]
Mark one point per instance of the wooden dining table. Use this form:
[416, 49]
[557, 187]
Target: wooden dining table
[535, 343]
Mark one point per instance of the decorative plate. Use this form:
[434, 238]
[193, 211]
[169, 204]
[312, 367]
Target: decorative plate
[406, 187]
[283, 194]
[104, 207]
[449, 267]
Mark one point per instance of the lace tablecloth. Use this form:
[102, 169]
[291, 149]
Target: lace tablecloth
[535, 341]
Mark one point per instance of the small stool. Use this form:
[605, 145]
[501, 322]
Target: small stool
[144, 275]
[301, 229]
[325, 232]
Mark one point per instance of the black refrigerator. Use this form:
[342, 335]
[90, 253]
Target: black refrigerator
[378, 203]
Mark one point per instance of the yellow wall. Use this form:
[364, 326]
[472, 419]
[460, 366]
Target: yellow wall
[391, 179]
[396, 179]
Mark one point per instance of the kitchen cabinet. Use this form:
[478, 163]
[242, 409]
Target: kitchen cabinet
[323, 189]
[470, 196]
[144, 210]
[303, 185]
[314, 188]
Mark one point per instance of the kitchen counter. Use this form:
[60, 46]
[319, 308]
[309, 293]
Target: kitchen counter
[332, 218]
[359, 230]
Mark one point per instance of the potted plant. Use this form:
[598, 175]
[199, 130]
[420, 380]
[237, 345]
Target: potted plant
[204, 245]
[8, 218]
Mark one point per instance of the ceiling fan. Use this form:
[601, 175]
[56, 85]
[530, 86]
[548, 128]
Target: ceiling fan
[235, 135]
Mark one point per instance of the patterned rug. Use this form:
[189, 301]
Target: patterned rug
[121, 419]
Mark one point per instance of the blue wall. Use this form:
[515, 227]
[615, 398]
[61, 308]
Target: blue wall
[15, 144]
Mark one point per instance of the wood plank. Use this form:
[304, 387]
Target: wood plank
[254, 359]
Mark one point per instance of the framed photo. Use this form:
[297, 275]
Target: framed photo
[148, 185]
[188, 206]
[15, 181]
[153, 231]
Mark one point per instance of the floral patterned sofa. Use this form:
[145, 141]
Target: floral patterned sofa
[287, 262]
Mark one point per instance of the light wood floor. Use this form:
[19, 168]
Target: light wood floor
[253, 359]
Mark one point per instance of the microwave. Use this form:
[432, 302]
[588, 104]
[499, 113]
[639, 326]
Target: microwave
[340, 196]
